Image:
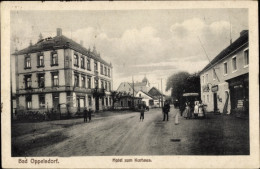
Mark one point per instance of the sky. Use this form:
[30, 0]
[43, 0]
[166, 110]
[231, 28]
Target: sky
[138, 43]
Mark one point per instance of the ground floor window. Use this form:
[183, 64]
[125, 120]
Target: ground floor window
[103, 101]
[107, 101]
[89, 101]
[29, 102]
[42, 101]
[55, 99]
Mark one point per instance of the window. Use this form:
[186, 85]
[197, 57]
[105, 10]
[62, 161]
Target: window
[29, 102]
[110, 101]
[76, 60]
[88, 64]
[105, 71]
[106, 101]
[109, 86]
[76, 80]
[95, 66]
[28, 81]
[246, 57]
[27, 62]
[83, 85]
[206, 78]
[42, 101]
[55, 79]
[54, 59]
[140, 95]
[96, 83]
[82, 62]
[108, 72]
[102, 84]
[89, 82]
[234, 64]
[214, 74]
[225, 68]
[41, 80]
[40, 60]
[101, 69]
[89, 101]
[106, 85]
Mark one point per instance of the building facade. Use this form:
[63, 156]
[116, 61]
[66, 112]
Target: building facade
[58, 73]
[225, 80]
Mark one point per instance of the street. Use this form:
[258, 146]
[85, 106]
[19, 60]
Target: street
[123, 134]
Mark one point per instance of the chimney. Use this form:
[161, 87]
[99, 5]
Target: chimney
[30, 42]
[81, 42]
[59, 31]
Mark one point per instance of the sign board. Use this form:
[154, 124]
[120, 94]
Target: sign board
[214, 88]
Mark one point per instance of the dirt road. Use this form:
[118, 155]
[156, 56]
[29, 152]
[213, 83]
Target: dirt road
[124, 134]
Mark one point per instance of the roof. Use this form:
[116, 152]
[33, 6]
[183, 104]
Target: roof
[243, 39]
[147, 94]
[139, 84]
[60, 42]
[155, 92]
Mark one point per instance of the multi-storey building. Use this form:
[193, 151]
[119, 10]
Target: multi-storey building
[58, 73]
[224, 81]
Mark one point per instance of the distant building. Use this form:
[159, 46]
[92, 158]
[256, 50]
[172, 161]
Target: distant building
[134, 88]
[58, 73]
[147, 98]
[159, 97]
[225, 80]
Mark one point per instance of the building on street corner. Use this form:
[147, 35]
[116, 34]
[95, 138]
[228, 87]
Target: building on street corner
[58, 73]
[225, 80]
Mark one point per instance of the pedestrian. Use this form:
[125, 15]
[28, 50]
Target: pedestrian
[201, 111]
[176, 118]
[187, 112]
[85, 115]
[166, 109]
[90, 114]
[196, 109]
[142, 113]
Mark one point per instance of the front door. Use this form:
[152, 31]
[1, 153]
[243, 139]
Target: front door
[97, 103]
[215, 101]
[55, 101]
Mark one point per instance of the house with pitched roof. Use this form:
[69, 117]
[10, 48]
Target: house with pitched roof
[60, 74]
[147, 98]
[225, 80]
[158, 96]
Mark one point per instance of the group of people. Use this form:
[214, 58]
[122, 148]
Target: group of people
[166, 109]
[87, 114]
[197, 111]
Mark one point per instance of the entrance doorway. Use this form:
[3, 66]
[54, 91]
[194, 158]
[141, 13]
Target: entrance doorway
[97, 103]
[215, 98]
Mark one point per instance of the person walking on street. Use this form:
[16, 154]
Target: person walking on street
[196, 110]
[89, 114]
[142, 113]
[85, 115]
[166, 109]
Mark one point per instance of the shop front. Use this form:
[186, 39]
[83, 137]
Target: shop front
[239, 94]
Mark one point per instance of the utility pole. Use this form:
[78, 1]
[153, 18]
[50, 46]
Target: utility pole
[162, 93]
[133, 91]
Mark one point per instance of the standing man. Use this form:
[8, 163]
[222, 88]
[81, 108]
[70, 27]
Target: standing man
[89, 114]
[85, 115]
[142, 113]
[166, 109]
